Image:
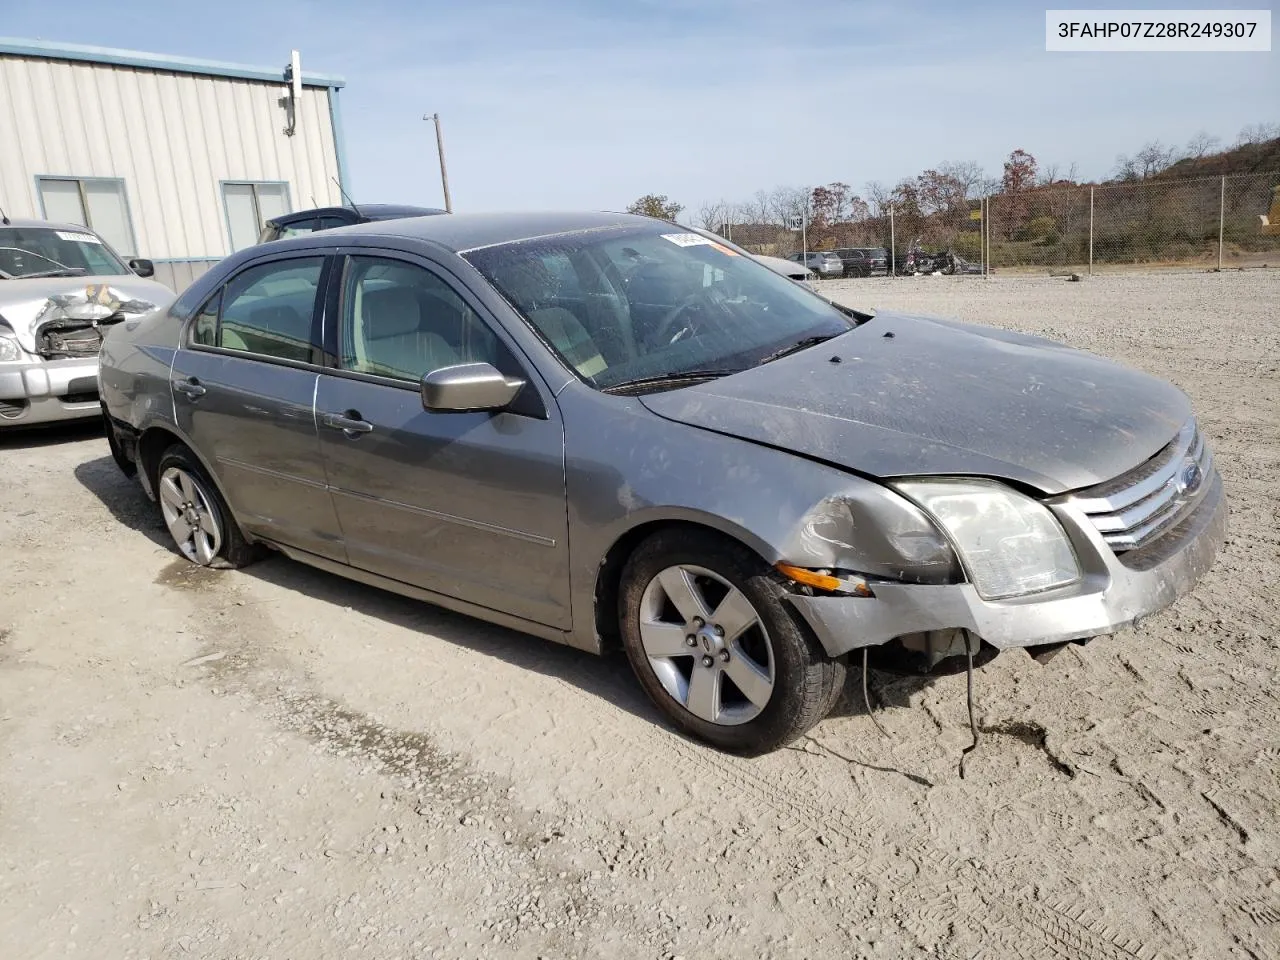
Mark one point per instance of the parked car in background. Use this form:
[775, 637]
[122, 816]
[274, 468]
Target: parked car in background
[864, 261]
[825, 263]
[329, 218]
[605, 429]
[788, 268]
[61, 285]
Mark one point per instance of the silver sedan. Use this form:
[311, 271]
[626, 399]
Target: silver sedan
[60, 286]
[607, 430]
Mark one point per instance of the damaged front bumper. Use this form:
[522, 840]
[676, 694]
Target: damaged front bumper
[1114, 592]
[46, 391]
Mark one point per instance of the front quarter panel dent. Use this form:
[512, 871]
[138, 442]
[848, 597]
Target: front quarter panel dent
[626, 467]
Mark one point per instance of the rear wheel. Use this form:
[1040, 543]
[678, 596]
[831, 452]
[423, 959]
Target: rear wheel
[707, 631]
[198, 519]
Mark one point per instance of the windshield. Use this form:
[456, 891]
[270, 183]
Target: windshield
[629, 304]
[46, 251]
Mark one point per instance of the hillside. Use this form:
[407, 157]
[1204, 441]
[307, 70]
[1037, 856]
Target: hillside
[1247, 158]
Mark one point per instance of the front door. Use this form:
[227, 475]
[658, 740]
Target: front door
[243, 387]
[470, 505]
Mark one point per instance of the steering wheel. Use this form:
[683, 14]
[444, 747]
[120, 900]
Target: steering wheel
[669, 318]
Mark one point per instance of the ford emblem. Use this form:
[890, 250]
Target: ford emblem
[1190, 478]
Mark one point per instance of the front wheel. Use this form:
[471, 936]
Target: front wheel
[710, 638]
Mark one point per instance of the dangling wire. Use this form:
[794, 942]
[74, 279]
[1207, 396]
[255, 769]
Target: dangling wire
[973, 725]
[866, 697]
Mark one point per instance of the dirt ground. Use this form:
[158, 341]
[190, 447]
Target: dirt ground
[277, 763]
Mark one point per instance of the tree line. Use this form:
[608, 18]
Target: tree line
[939, 205]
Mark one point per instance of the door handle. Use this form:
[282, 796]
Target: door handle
[192, 387]
[351, 425]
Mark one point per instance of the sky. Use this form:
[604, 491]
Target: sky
[579, 104]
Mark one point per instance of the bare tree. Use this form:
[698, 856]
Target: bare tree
[1258, 133]
[1126, 168]
[757, 209]
[1153, 158]
[1202, 143]
[968, 174]
[713, 215]
[788, 202]
[877, 197]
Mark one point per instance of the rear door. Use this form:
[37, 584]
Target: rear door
[244, 386]
[471, 505]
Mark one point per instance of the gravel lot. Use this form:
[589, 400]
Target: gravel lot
[276, 763]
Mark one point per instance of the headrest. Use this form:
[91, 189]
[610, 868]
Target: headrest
[392, 312]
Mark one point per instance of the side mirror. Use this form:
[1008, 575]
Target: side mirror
[142, 267]
[468, 387]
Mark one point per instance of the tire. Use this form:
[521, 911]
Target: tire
[198, 519]
[781, 682]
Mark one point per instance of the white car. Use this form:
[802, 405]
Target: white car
[789, 268]
[60, 284]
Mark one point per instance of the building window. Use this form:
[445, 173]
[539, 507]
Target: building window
[94, 202]
[249, 206]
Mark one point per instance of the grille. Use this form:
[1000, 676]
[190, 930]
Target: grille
[12, 409]
[1137, 508]
[72, 339]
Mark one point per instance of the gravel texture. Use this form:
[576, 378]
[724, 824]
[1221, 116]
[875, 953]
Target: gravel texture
[278, 763]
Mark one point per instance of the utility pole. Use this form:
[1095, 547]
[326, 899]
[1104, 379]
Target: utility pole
[444, 175]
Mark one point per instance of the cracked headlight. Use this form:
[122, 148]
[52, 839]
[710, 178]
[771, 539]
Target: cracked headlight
[1009, 544]
[9, 350]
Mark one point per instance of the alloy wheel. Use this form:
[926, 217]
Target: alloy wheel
[707, 645]
[189, 515]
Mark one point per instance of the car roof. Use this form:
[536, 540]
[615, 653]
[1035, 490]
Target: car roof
[48, 225]
[460, 232]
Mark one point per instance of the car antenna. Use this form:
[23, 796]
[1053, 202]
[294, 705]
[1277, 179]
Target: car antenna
[4, 217]
[344, 193]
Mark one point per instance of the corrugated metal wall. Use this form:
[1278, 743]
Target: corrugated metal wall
[172, 138]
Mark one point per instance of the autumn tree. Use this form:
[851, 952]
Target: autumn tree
[1019, 172]
[656, 205]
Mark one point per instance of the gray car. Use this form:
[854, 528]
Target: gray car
[603, 429]
[825, 263]
[60, 286]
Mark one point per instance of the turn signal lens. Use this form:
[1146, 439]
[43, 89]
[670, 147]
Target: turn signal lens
[823, 581]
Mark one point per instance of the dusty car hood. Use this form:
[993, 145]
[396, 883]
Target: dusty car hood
[941, 397]
[25, 304]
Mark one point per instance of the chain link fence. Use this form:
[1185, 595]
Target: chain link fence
[1211, 223]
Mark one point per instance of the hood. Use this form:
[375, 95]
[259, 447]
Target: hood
[25, 305]
[915, 396]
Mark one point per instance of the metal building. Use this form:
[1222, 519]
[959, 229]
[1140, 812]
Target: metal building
[168, 158]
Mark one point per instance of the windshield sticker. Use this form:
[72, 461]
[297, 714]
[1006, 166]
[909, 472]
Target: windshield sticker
[77, 237]
[687, 239]
[696, 240]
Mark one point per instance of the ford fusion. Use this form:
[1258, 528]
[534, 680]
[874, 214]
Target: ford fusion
[610, 430]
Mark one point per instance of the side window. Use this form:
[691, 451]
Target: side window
[204, 330]
[268, 309]
[400, 320]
